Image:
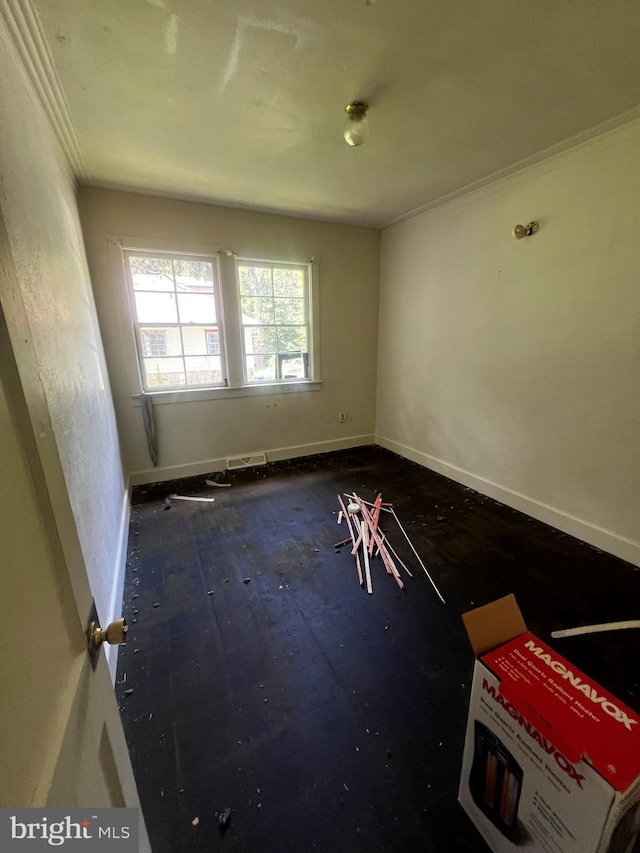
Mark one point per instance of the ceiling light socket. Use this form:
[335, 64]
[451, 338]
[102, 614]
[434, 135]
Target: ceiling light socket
[520, 231]
[356, 110]
[357, 128]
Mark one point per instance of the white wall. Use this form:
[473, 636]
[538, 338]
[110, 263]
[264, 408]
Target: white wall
[48, 304]
[513, 366]
[199, 435]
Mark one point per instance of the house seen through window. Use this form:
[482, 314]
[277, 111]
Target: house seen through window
[179, 323]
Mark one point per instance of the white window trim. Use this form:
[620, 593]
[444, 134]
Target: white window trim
[139, 325]
[196, 395]
[307, 267]
[229, 305]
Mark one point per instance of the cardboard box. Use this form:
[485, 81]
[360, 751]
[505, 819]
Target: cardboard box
[551, 759]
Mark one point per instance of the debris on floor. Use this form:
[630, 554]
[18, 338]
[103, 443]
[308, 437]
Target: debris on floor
[369, 541]
[217, 481]
[195, 821]
[363, 523]
[224, 817]
[189, 498]
[424, 568]
[596, 629]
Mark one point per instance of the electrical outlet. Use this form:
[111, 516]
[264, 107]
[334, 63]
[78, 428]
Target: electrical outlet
[342, 417]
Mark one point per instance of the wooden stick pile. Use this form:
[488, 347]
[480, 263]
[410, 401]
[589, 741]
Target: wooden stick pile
[368, 540]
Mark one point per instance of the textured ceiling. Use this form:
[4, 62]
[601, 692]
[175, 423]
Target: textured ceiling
[242, 101]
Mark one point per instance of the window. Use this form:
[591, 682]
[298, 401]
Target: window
[208, 322]
[212, 341]
[154, 342]
[274, 306]
[176, 301]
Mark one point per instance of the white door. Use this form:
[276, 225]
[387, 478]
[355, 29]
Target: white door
[61, 739]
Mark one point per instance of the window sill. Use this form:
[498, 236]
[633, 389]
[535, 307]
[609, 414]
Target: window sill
[197, 394]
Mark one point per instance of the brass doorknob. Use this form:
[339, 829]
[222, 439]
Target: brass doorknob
[115, 634]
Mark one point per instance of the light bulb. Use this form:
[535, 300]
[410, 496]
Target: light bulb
[357, 128]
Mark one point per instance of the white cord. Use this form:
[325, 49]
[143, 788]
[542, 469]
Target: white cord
[594, 629]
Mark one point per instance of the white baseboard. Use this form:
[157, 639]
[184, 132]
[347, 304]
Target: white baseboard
[117, 589]
[276, 454]
[603, 539]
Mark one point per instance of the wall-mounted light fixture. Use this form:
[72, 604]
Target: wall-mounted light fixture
[521, 231]
[357, 128]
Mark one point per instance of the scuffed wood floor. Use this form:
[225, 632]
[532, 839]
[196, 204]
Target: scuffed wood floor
[263, 678]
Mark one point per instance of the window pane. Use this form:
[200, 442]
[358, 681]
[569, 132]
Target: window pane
[158, 341]
[198, 339]
[292, 367]
[288, 282]
[292, 339]
[197, 308]
[164, 372]
[261, 368]
[154, 342]
[256, 310]
[194, 276]
[151, 273]
[179, 333]
[259, 340]
[156, 307]
[204, 370]
[289, 311]
[255, 281]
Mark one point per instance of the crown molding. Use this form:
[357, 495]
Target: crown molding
[608, 126]
[25, 31]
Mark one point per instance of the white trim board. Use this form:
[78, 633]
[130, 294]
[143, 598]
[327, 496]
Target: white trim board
[600, 538]
[117, 588]
[277, 454]
[603, 134]
[29, 42]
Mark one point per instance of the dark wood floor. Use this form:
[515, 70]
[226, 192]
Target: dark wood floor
[326, 719]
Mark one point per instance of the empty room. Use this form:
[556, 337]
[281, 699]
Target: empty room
[320, 425]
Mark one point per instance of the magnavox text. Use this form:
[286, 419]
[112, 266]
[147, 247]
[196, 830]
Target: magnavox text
[587, 689]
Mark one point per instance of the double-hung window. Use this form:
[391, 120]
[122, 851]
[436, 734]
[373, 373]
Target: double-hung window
[215, 321]
[177, 320]
[274, 307]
